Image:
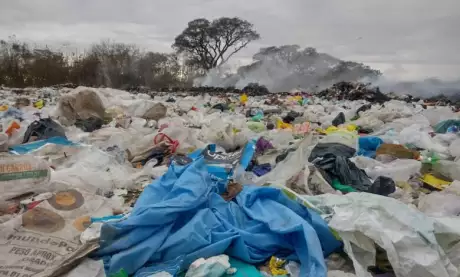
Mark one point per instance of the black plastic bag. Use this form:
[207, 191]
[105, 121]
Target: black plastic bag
[89, 125]
[334, 161]
[339, 119]
[43, 129]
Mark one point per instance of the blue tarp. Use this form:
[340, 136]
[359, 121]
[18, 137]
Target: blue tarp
[182, 217]
[29, 147]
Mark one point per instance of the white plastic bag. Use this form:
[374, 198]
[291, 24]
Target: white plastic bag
[95, 171]
[398, 170]
[444, 203]
[286, 169]
[416, 245]
[454, 148]
[418, 136]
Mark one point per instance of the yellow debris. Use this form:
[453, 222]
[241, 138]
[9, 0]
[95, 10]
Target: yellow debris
[435, 182]
[276, 266]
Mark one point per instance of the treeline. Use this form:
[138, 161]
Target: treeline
[109, 64]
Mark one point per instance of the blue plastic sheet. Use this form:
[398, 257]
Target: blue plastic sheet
[182, 217]
[29, 147]
[368, 146]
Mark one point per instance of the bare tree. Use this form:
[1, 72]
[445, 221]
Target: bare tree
[210, 44]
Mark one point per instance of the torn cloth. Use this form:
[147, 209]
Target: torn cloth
[182, 217]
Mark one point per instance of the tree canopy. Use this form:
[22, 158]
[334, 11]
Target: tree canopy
[210, 44]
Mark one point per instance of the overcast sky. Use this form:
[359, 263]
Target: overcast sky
[407, 39]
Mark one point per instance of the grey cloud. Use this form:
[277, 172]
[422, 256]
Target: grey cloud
[409, 39]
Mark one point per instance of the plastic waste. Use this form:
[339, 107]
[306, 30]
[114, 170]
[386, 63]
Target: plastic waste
[156, 112]
[449, 169]
[333, 159]
[441, 204]
[81, 103]
[438, 114]
[286, 169]
[164, 247]
[339, 119]
[102, 171]
[450, 126]
[368, 146]
[398, 170]
[363, 220]
[341, 136]
[397, 151]
[22, 174]
[243, 99]
[435, 182]
[257, 127]
[213, 267]
[90, 124]
[276, 266]
[43, 129]
[414, 135]
[454, 148]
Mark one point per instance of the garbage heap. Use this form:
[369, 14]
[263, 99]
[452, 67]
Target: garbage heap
[347, 182]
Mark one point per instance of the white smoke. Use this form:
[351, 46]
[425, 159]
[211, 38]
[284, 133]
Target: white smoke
[289, 67]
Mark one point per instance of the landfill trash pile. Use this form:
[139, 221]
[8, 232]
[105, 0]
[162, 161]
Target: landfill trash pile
[347, 182]
[252, 89]
[354, 91]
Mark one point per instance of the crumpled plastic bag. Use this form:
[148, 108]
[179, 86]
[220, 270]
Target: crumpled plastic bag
[454, 148]
[416, 245]
[398, 170]
[399, 124]
[226, 135]
[290, 166]
[437, 114]
[444, 203]
[81, 103]
[416, 135]
[212, 267]
[95, 171]
[448, 169]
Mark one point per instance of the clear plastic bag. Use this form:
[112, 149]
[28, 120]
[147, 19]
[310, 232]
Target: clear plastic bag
[398, 170]
[95, 171]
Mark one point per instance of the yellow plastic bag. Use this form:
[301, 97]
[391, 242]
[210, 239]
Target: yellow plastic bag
[435, 182]
[3, 108]
[243, 99]
[39, 104]
[352, 127]
[281, 125]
